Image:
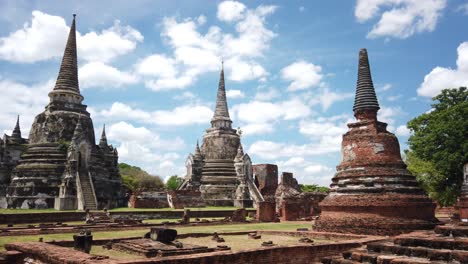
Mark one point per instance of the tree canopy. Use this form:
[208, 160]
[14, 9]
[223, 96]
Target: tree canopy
[313, 188]
[138, 180]
[173, 182]
[438, 145]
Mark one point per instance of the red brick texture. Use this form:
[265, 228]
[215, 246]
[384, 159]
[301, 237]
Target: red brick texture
[372, 192]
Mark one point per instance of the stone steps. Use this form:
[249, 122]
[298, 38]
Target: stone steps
[417, 248]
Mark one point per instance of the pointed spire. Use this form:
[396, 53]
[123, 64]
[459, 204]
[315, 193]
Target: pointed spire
[221, 115]
[365, 99]
[68, 75]
[197, 153]
[103, 140]
[16, 134]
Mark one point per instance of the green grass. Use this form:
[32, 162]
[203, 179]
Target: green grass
[122, 209]
[32, 211]
[286, 226]
[208, 208]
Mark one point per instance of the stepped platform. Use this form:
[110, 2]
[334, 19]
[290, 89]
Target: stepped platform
[447, 244]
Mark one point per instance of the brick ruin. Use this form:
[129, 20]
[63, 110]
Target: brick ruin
[292, 203]
[372, 191]
[60, 165]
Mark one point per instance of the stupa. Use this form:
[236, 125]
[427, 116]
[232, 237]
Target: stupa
[62, 157]
[372, 192]
[220, 169]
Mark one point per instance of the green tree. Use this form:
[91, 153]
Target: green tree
[313, 188]
[138, 180]
[438, 145]
[173, 182]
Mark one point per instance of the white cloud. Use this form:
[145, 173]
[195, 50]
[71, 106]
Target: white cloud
[142, 147]
[402, 131]
[42, 39]
[179, 116]
[445, 78]
[401, 18]
[273, 150]
[327, 98]
[26, 101]
[384, 87]
[244, 70]
[109, 43]
[267, 95]
[98, 74]
[45, 37]
[158, 65]
[260, 111]
[302, 75]
[301, 9]
[122, 111]
[195, 53]
[233, 94]
[230, 11]
[183, 115]
[257, 129]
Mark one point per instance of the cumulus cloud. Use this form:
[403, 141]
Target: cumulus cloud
[445, 78]
[402, 131]
[400, 18]
[230, 11]
[98, 74]
[183, 115]
[109, 43]
[302, 75]
[195, 53]
[45, 37]
[233, 94]
[179, 116]
[24, 100]
[145, 148]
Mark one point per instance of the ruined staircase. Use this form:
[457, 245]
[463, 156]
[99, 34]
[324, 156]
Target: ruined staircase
[420, 247]
[87, 190]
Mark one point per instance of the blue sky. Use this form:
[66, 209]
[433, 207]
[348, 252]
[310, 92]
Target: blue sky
[149, 70]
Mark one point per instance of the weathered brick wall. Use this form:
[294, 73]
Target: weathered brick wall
[266, 179]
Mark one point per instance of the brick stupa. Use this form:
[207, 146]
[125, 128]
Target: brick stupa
[372, 192]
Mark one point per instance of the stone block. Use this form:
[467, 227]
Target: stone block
[66, 203]
[164, 235]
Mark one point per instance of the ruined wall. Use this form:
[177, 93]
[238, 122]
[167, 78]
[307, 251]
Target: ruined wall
[185, 198]
[149, 200]
[266, 179]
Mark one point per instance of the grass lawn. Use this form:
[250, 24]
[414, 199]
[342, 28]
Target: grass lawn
[286, 226]
[122, 209]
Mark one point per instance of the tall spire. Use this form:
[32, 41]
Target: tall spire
[16, 134]
[103, 140]
[68, 75]
[221, 115]
[67, 80]
[365, 100]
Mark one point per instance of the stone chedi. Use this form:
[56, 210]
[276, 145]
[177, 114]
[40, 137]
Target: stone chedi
[11, 148]
[372, 192]
[62, 164]
[219, 169]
